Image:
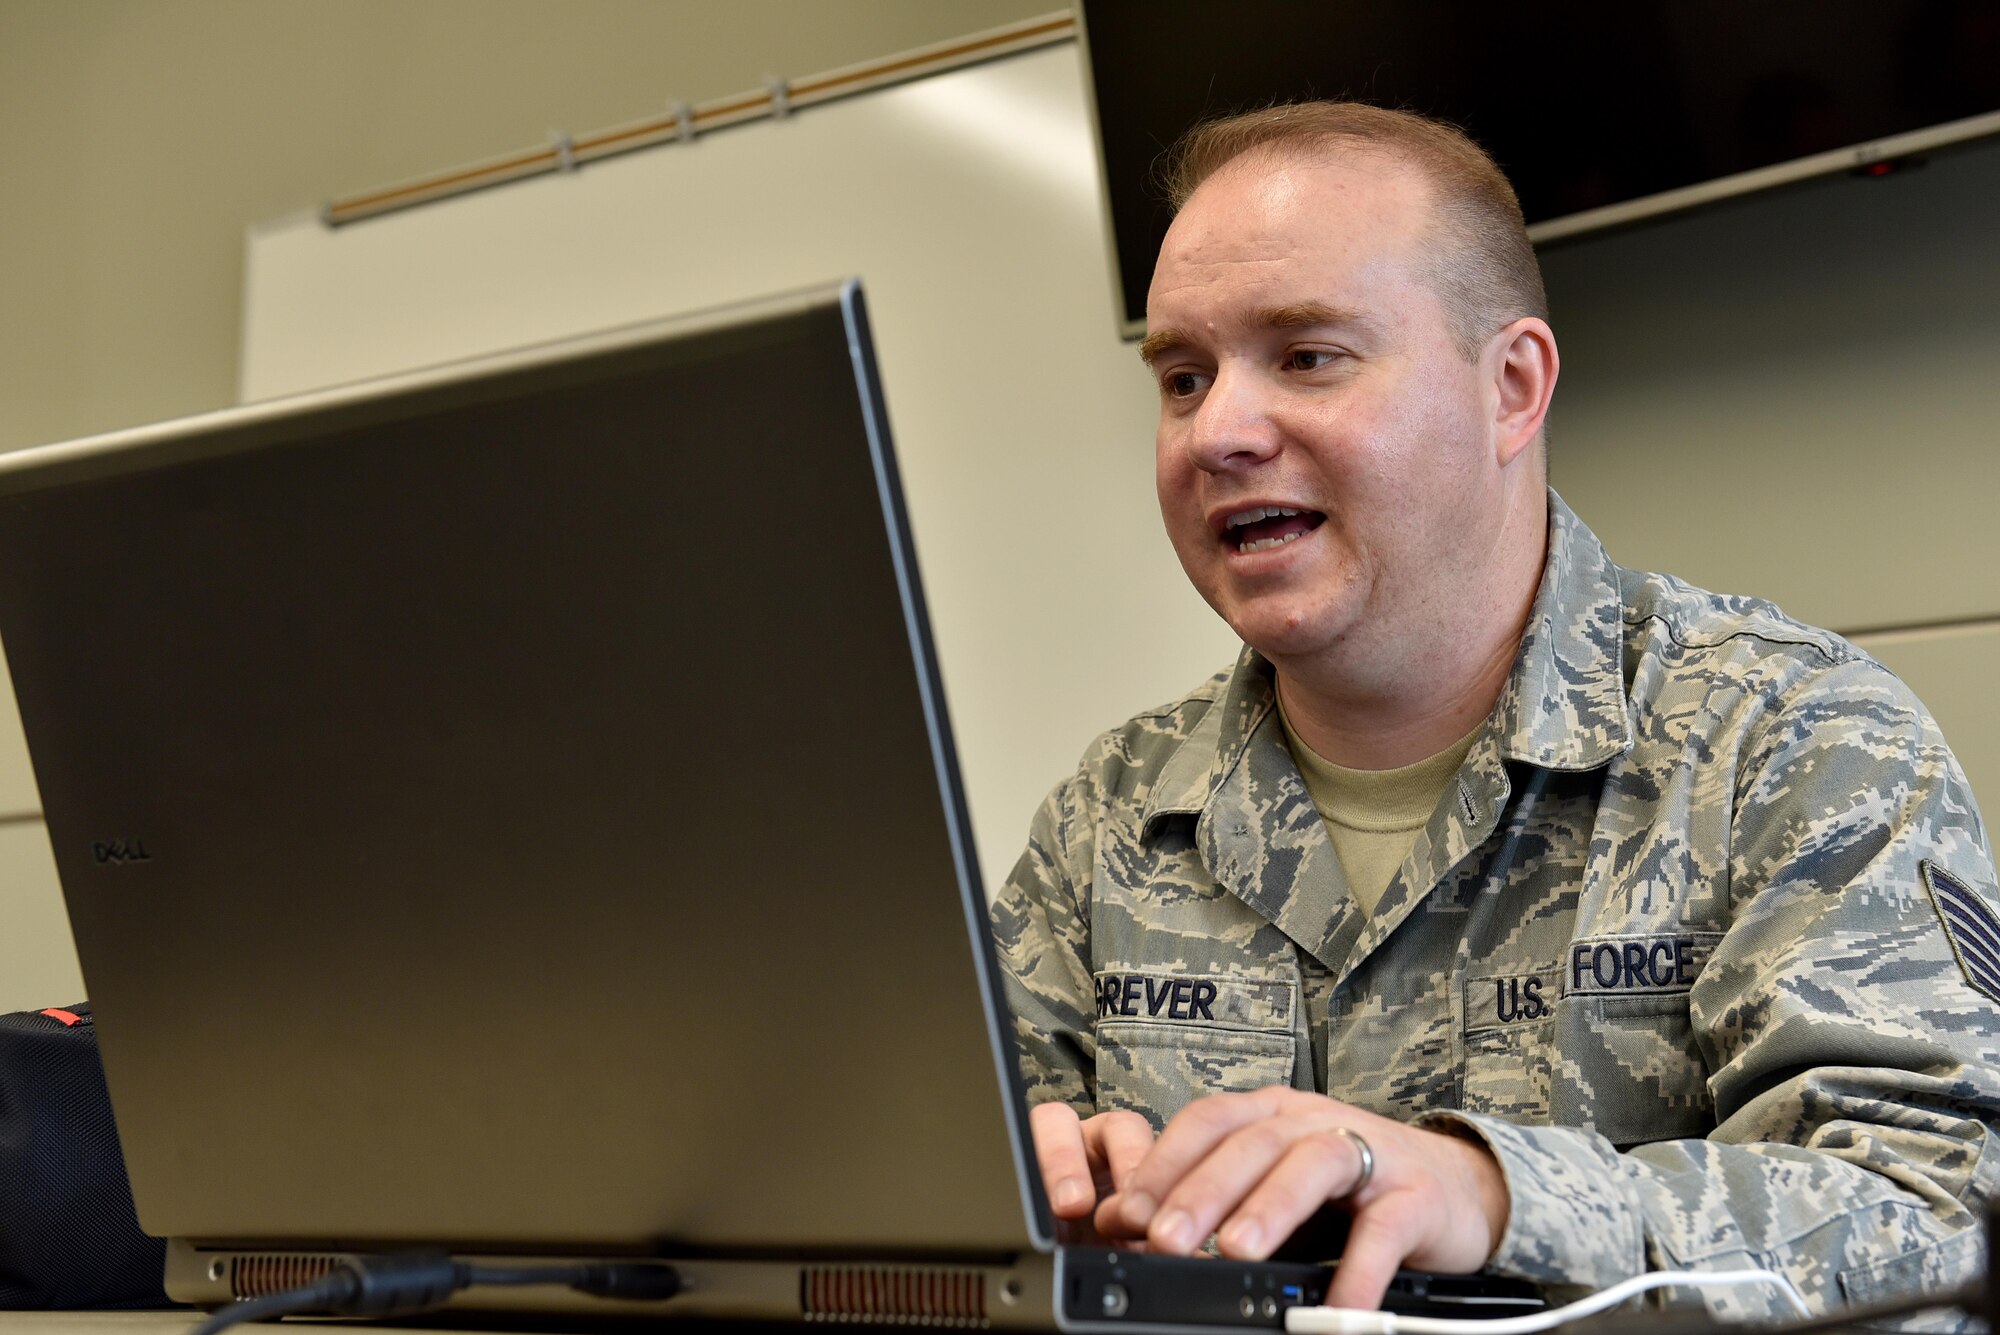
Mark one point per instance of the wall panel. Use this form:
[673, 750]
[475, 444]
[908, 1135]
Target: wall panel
[37, 962]
[1793, 396]
[1953, 672]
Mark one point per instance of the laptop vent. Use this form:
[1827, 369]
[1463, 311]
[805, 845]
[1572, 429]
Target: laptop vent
[912, 1296]
[255, 1276]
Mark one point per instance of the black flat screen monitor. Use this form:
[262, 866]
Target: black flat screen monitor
[1601, 114]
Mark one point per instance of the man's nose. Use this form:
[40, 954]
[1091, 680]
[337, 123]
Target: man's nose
[1232, 428]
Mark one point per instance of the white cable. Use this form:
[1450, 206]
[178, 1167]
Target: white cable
[1352, 1321]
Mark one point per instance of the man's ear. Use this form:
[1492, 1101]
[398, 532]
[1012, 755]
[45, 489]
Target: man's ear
[1522, 363]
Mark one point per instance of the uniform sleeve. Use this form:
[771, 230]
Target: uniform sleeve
[1041, 932]
[1847, 1026]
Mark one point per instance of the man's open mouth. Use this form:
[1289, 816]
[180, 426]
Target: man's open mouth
[1264, 527]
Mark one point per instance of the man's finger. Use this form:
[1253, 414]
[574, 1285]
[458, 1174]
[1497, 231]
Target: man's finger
[1376, 1247]
[1189, 1138]
[1317, 1167]
[1064, 1159]
[1110, 1223]
[1118, 1140]
[1217, 1186]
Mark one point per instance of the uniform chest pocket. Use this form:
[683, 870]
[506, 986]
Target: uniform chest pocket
[1631, 1069]
[1166, 1039]
[1625, 1066]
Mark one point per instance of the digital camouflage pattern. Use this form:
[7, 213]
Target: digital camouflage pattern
[1668, 945]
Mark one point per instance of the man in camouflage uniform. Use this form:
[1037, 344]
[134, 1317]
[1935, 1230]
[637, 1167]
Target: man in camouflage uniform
[1693, 965]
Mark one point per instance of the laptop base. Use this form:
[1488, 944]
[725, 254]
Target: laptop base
[1083, 1289]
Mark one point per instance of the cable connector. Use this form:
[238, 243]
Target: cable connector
[399, 1284]
[639, 1281]
[1339, 1321]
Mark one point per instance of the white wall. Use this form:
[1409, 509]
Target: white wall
[138, 140]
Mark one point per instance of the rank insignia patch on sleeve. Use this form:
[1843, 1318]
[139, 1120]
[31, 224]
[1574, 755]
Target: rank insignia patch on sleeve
[1970, 926]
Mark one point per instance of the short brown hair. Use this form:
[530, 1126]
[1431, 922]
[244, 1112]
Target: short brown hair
[1485, 274]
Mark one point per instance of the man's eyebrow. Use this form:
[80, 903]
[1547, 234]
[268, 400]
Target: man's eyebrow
[1311, 314]
[1159, 341]
[1297, 315]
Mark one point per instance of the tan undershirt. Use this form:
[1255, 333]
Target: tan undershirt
[1374, 815]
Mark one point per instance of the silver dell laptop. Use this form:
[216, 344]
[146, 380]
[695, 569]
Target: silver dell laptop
[510, 809]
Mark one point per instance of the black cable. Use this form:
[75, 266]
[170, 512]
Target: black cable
[405, 1284]
[646, 1281]
[320, 1296]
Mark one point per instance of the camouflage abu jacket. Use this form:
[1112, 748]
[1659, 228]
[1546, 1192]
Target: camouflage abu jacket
[1701, 942]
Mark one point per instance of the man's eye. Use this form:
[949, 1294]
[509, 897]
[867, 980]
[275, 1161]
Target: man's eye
[1308, 359]
[1180, 384]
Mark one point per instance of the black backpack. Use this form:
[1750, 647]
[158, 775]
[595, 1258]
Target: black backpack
[69, 1236]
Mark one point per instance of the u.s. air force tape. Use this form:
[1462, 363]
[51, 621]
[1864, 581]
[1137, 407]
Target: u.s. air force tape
[1610, 965]
[1656, 964]
[1969, 925]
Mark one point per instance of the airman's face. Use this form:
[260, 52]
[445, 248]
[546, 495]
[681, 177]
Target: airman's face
[1324, 455]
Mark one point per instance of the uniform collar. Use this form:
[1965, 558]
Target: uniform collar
[1216, 745]
[1563, 706]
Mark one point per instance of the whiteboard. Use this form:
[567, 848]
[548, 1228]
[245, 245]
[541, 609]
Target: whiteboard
[968, 204]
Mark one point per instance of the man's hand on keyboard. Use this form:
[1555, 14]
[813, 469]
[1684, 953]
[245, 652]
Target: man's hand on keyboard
[1250, 1168]
[1084, 1162]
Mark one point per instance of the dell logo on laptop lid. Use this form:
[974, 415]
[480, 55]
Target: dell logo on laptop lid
[110, 852]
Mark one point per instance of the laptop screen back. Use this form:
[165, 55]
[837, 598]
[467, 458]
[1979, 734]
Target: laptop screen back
[511, 807]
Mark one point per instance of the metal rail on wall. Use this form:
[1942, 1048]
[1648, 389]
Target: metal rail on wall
[683, 123]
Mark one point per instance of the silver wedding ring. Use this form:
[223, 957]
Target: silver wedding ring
[1367, 1160]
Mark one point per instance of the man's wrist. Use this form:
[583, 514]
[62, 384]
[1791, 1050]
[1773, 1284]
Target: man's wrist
[1487, 1180]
